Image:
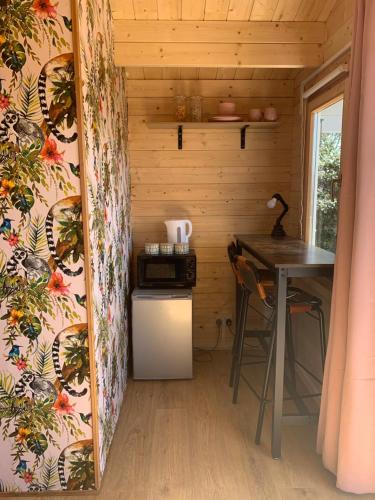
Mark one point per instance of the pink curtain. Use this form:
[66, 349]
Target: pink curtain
[346, 435]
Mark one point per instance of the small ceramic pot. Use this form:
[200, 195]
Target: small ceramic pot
[255, 115]
[152, 248]
[166, 248]
[227, 108]
[270, 114]
[181, 248]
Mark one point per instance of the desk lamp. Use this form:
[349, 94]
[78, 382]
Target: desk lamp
[278, 230]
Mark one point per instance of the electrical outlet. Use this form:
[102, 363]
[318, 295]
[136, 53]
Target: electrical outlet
[223, 322]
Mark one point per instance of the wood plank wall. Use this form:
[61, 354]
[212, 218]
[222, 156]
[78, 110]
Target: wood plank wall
[220, 187]
[339, 27]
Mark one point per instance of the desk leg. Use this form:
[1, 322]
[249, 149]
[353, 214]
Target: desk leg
[277, 414]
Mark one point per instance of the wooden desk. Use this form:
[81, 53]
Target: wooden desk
[288, 258]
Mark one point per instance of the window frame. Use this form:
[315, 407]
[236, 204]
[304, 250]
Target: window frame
[314, 104]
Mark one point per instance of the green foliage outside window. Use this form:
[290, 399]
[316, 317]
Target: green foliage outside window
[327, 208]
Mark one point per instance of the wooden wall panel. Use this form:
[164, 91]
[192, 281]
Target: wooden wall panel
[213, 175]
[237, 158]
[219, 187]
[219, 32]
[339, 27]
[278, 55]
[212, 88]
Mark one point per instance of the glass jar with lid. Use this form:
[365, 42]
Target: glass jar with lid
[196, 108]
[181, 108]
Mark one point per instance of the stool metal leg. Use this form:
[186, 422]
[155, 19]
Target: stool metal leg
[263, 343]
[240, 346]
[236, 338]
[290, 349]
[323, 344]
[262, 405]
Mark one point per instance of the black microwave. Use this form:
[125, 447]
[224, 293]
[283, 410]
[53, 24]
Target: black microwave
[166, 271]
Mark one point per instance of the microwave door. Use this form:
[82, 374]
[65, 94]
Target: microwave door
[160, 272]
[177, 271]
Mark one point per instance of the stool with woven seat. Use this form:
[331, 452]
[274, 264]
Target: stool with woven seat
[250, 279]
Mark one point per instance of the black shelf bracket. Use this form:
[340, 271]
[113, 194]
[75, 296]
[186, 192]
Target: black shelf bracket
[243, 136]
[179, 130]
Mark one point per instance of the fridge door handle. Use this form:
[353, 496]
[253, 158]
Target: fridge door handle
[164, 297]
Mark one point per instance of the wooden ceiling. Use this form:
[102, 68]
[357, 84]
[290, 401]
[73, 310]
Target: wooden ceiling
[223, 10]
[155, 73]
[220, 36]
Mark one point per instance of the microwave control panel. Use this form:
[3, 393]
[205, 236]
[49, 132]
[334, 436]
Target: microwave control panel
[190, 270]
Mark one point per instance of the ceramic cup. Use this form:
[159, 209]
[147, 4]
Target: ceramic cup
[181, 248]
[166, 248]
[255, 115]
[227, 108]
[270, 114]
[152, 248]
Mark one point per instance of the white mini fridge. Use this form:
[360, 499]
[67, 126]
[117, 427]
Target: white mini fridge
[162, 334]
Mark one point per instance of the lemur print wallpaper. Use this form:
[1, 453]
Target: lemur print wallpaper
[104, 116]
[46, 406]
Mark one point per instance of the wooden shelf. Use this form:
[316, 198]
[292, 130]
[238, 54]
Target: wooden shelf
[241, 126]
[189, 125]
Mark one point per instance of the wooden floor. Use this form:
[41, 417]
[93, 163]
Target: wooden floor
[184, 440]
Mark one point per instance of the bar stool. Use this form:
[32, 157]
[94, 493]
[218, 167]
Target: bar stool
[268, 280]
[249, 278]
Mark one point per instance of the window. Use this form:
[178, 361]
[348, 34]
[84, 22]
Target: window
[324, 174]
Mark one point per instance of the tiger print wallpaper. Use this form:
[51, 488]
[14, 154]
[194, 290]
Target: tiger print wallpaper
[47, 410]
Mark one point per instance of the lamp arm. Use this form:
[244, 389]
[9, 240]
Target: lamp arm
[284, 204]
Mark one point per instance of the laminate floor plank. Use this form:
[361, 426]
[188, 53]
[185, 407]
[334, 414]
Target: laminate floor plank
[185, 440]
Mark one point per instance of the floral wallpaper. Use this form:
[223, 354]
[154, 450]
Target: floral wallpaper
[46, 438]
[105, 119]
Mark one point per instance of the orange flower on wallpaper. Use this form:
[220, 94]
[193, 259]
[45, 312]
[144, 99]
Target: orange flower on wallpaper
[44, 8]
[62, 405]
[22, 434]
[6, 187]
[15, 317]
[56, 284]
[50, 154]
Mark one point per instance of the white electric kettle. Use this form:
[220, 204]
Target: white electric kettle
[179, 231]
